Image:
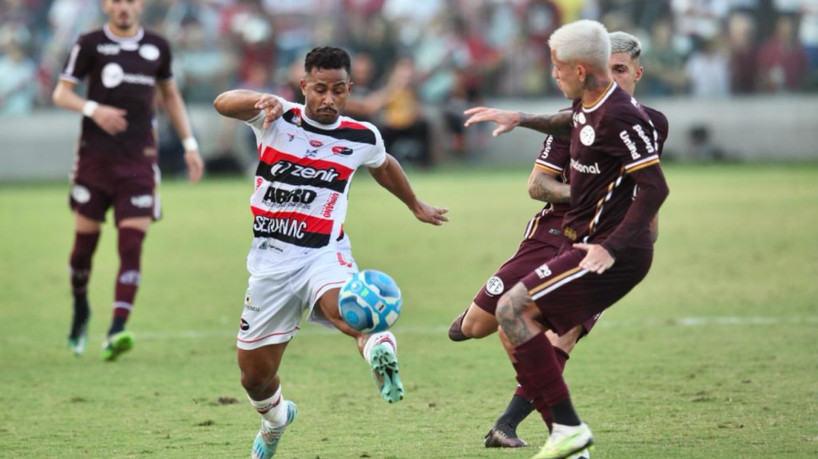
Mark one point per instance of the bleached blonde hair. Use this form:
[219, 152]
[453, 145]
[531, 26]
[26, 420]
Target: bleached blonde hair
[583, 41]
[622, 42]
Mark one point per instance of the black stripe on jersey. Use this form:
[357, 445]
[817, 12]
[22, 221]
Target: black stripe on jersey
[342, 133]
[289, 173]
[288, 230]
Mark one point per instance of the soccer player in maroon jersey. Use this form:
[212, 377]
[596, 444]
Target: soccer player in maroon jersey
[300, 255]
[626, 71]
[116, 159]
[616, 188]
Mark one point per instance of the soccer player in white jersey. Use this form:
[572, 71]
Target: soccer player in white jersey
[300, 256]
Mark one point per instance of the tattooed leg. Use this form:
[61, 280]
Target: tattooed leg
[516, 314]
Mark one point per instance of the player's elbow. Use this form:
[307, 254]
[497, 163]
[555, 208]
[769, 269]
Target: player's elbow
[220, 103]
[57, 96]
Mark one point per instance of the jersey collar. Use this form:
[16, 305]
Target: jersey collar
[123, 40]
[611, 88]
[326, 127]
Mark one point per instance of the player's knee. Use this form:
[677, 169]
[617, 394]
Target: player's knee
[255, 380]
[507, 308]
[479, 325]
[130, 243]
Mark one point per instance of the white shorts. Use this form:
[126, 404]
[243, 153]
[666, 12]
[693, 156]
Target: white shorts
[274, 304]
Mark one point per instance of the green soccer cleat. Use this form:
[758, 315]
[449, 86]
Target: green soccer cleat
[117, 345]
[566, 441]
[385, 369]
[266, 442]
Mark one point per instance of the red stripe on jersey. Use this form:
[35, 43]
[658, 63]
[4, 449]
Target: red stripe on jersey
[314, 224]
[351, 125]
[271, 156]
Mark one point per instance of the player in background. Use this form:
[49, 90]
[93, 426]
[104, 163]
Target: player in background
[300, 256]
[616, 189]
[545, 185]
[116, 159]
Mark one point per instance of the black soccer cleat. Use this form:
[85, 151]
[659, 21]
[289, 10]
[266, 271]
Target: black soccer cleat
[456, 328]
[503, 436]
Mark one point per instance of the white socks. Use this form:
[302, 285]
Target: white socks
[273, 409]
[379, 338]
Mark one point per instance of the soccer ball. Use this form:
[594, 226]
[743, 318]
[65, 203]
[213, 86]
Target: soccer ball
[370, 301]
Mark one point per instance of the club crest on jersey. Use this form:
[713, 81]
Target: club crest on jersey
[341, 150]
[149, 52]
[587, 135]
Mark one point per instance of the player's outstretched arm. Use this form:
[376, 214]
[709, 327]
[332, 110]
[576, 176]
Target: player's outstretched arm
[175, 108]
[391, 176]
[244, 104]
[109, 119]
[558, 125]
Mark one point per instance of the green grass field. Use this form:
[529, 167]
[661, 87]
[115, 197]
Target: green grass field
[715, 355]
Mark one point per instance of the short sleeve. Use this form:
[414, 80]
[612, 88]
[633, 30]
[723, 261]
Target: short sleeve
[554, 155]
[257, 122]
[633, 139]
[80, 60]
[377, 154]
[165, 71]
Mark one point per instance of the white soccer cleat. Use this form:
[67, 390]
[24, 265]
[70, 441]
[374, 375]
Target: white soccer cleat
[566, 441]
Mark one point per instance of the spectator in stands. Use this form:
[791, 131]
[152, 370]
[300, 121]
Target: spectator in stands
[783, 63]
[18, 73]
[666, 63]
[206, 67]
[708, 70]
[741, 36]
[406, 132]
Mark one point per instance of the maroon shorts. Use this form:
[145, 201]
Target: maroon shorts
[568, 295]
[126, 183]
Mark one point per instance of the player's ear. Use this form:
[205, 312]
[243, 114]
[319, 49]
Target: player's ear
[638, 74]
[303, 87]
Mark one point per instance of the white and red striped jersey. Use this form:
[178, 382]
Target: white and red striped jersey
[302, 183]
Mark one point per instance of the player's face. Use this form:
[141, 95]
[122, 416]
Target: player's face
[325, 93]
[122, 14]
[626, 71]
[567, 75]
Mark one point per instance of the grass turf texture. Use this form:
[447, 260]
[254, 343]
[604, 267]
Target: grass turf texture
[714, 355]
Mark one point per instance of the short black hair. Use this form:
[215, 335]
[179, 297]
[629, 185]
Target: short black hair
[327, 57]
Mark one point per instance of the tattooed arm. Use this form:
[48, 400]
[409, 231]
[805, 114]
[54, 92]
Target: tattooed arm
[558, 125]
[544, 186]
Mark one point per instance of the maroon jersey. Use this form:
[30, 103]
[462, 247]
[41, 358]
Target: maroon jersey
[615, 151]
[122, 72]
[545, 225]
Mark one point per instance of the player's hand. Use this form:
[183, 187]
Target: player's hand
[597, 258]
[430, 214]
[110, 119]
[272, 108]
[195, 166]
[506, 120]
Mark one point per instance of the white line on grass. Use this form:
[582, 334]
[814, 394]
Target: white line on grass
[441, 329]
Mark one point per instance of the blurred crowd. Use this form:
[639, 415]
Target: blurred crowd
[413, 56]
